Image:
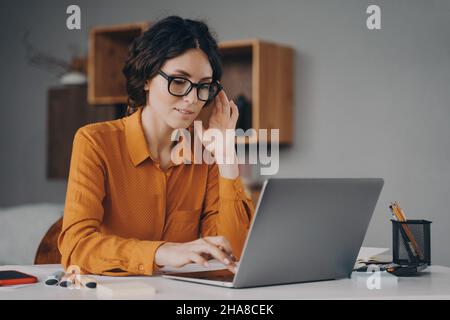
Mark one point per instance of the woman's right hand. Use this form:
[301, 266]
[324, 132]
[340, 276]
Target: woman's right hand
[198, 251]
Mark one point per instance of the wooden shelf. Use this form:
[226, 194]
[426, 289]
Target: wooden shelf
[108, 50]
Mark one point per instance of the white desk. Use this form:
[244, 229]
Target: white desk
[434, 283]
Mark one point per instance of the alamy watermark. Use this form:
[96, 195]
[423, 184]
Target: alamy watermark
[73, 21]
[374, 280]
[220, 148]
[373, 22]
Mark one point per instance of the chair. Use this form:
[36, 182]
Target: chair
[47, 252]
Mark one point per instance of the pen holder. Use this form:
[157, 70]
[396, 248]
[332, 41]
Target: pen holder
[411, 242]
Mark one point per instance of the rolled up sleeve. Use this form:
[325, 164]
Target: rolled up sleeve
[227, 210]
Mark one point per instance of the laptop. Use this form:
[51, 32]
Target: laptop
[303, 230]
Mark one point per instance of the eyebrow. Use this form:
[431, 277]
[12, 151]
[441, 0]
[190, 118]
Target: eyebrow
[188, 75]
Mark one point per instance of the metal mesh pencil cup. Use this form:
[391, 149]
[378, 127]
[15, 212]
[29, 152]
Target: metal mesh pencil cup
[411, 242]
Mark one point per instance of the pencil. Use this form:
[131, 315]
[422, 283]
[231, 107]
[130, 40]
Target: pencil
[408, 245]
[402, 218]
[397, 205]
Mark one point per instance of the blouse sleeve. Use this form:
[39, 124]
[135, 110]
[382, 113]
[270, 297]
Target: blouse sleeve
[227, 210]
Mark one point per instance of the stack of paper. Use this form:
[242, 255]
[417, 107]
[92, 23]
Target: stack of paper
[367, 254]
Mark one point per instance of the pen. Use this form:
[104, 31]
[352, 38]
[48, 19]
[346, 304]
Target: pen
[54, 279]
[67, 280]
[88, 282]
[65, 283]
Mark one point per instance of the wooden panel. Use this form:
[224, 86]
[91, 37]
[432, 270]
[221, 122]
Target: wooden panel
[108, 50]
[67, 111]
[276, 89]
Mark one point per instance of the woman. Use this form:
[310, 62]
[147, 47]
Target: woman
[129, 208]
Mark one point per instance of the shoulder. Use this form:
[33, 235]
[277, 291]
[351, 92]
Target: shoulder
[100, 133]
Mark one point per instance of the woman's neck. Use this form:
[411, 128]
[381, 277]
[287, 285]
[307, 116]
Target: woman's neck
[157, 132]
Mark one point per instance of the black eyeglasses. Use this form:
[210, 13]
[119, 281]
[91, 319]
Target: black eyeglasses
[180, 87]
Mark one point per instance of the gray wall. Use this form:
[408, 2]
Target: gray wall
[368, 103]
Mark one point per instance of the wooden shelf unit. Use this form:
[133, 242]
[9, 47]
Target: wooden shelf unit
[108, 50]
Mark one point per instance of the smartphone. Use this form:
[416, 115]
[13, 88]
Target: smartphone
[12, 277]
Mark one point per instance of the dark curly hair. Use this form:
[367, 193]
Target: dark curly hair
[167, 39]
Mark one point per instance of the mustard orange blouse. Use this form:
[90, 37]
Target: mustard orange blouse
[120, 206]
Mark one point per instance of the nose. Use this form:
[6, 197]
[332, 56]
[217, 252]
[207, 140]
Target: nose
[191, 97]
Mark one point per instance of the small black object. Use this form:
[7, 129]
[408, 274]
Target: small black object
[51, 282]
[407, 270]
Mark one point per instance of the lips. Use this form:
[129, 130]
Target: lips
[184, 111]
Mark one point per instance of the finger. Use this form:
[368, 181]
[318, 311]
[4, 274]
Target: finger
[219, 103]
[216, 253]
[223, 257]
[234, 111]
[221, 242]
[226, 105]
[214, 110]
[197, 258]
[233, 258]
[206, 256]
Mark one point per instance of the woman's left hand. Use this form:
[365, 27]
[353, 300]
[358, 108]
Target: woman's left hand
[224, 116]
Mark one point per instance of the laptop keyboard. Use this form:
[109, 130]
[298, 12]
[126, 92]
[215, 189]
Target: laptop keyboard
[223, 275]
